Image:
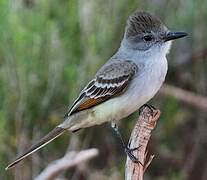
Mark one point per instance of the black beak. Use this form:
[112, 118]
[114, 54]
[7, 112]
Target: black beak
[174, 35]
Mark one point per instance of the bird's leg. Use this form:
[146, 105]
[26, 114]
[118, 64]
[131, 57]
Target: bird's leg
[151, 107]
[127, 150]
[116, 129]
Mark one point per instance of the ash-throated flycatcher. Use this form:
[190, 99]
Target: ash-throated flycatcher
[129, 79]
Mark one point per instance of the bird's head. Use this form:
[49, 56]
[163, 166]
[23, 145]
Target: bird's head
[145, 32]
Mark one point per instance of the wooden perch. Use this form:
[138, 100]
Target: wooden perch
[139, 138]
[70, 160]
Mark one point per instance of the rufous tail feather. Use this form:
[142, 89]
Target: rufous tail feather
[45, 140]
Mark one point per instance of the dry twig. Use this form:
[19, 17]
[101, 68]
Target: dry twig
[70, 160]
[139, 138]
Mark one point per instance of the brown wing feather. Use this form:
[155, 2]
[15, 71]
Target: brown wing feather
[89, 103]
[111, 80]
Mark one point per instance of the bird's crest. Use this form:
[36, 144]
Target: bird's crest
[143, 22]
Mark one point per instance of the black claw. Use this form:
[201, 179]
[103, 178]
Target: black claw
[140, 109]
[130, 155]
[134, 159]
[134, 149]
[151, 107]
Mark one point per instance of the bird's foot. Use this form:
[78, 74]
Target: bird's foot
[151, 107]
[127, 150]
[130, 154]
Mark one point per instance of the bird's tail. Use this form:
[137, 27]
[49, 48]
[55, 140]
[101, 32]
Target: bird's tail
[45, 140]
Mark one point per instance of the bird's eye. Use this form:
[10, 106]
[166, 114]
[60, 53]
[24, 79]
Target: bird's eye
[148, 37]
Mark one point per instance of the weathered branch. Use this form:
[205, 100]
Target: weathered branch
[70, 160]
[139, 138]
[187, 97]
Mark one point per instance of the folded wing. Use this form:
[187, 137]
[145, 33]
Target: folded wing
[111, 80]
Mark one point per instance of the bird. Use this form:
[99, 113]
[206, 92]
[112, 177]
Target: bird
[127, 81]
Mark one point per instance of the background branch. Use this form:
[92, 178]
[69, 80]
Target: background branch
[139, 138]
[190, 98]
[70, 160]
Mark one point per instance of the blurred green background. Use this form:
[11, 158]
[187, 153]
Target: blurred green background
[50, 49]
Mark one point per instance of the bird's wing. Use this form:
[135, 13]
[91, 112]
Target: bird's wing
[111, 80]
